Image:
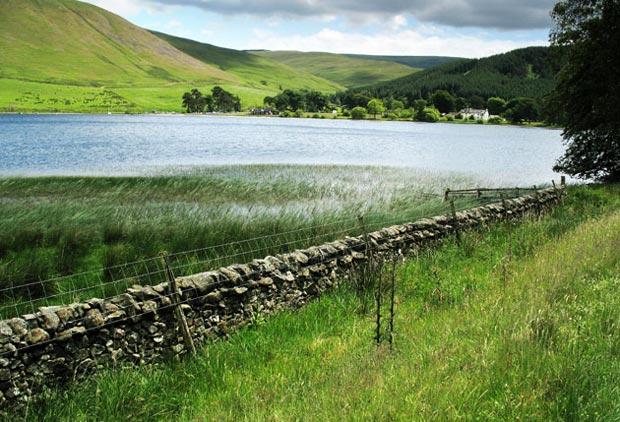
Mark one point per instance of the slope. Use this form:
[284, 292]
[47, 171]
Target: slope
[527, 72]
[344, 70]
[420, 62]
[257, 71]
[68, 42]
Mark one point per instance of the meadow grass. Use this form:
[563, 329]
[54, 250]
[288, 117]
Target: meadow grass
[519, 322]
[54, 227]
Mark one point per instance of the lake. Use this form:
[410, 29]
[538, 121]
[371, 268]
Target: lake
[33, 145]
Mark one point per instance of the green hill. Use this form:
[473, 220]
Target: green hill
[526, 72]
[419, 62]
[343, 69]
[68, 56]
[69, 42]
[258, 71]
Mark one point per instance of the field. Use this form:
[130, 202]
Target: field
[518, 322]
[53, 227]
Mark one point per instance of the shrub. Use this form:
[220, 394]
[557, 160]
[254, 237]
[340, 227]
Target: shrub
[428, 114]
[358, 113]
[449, 117]
[299, 113]
[406, 113]
[496, 120]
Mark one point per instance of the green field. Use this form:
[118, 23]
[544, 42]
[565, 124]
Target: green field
[348, 71]
[519, 322]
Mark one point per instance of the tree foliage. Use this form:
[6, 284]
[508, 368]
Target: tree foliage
[220, 100]
[443, 101]
[525, 72]
[358, 113]
[375, 107]
[585, 100]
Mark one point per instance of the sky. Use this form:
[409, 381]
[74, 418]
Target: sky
[460, 28]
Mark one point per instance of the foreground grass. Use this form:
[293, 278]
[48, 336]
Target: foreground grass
[517, 323]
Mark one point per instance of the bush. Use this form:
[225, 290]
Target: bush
[346, 113]
[284, 114]
[480, 121]
[449, 117]
[496, 120]
[299, 113]
[392, 116]
[458, 116]
[406, 113]
[358, 113]
[428, 114]
[316, 116]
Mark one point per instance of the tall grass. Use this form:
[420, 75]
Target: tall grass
[52, 227]
[519, 323]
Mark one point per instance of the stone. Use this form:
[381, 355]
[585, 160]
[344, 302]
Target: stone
[5, 330]
[67, 334]
[37, 335]
[94, 318]
[50, 319]
[240, 290]
[19, 326]
[267, 281]
[213, 297]
[149, 306]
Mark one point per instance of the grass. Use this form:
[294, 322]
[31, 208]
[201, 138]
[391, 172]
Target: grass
[520, 322]
[49, 64]
[347, 71]
[53, 227]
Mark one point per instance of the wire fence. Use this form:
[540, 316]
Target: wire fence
[17, 300]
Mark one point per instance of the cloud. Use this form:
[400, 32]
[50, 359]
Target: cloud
[497, 14]
[403, 42]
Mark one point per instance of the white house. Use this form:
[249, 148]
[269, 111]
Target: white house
[477, 113]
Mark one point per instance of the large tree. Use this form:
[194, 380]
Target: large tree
[586, 98]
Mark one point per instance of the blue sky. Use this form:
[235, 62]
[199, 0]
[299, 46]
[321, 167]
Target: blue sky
[463, 28]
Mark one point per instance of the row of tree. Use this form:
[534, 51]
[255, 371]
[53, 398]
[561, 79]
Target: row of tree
[305, 100]
[219, 100]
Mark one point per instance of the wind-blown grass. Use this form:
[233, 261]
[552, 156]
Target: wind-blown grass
[57, 226]
[525, 335]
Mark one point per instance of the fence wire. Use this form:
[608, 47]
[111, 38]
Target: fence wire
[17, 300]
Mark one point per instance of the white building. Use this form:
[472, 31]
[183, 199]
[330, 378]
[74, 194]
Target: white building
[477, 113]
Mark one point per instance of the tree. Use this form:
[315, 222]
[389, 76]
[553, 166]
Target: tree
[316, 101]
[223, 100]
[496, 105]
[358, 113]
[428, 114]
[585, 99]
[194, 101]
[443, 101]
[522, 109]
[374, 107]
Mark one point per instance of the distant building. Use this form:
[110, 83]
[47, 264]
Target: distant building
[266, 111]
[477, 113]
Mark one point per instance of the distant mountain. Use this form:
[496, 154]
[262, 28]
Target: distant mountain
[526, 72]
[347, 70]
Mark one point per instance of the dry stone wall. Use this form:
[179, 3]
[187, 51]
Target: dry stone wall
[138, 327]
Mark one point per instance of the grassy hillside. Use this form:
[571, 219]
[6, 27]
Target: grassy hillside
[72, 43]
[344, 70]
[519, 322]
[257, 71]
[526, 72]
[68, 56]
[419, 62]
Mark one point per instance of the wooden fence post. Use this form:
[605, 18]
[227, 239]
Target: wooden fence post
[455, 222]
[501, 196]
[176, 303]
[446, 194]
